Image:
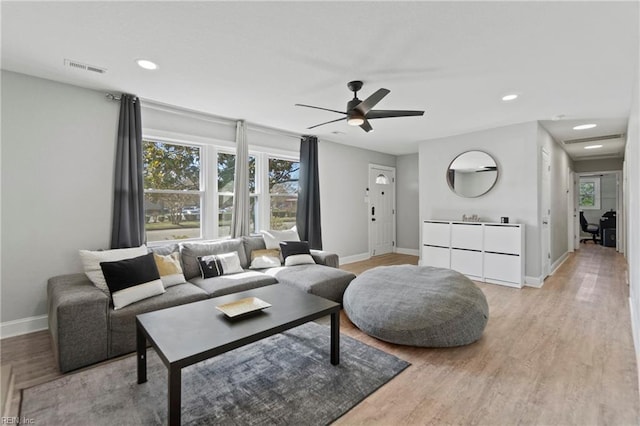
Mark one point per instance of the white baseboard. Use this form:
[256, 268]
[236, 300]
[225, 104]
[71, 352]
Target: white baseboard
[412, 252]
[23, 326]
[558, 263]
[535, 282]
[354, 258]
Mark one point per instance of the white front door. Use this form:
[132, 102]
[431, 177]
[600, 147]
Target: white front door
[382, 185]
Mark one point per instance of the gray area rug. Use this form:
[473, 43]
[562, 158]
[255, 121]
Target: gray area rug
[284, 379]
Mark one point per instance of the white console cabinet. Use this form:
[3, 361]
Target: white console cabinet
[489, 252]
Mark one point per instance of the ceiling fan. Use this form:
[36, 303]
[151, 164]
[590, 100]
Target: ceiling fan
[360, 112]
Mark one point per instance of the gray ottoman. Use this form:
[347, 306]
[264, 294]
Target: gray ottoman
[417, 306]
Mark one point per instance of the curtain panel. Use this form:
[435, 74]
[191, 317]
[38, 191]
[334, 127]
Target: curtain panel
[128, 202]
[240, 216]
[308, 214]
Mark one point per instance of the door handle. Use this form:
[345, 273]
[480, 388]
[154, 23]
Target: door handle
[373, 219]
[545, 222]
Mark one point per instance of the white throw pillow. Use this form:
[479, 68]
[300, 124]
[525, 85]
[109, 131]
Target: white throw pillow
[216, 265]
[261, 259]
[299, 259]
[91, 262]
[272, 238]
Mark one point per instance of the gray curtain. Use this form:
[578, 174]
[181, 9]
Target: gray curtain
[308, 214]
[240, 216]
[128, 201]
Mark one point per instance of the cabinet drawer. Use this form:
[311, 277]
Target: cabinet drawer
[503, 239]
[466, 236]
[467, 262]
[503, 267]
[436, 234]
[435, 256]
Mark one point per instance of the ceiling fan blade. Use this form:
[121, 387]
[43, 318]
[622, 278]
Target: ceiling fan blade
[388, 113]
[366, 126]
[324, 109]
[322, 124]
[365, 106]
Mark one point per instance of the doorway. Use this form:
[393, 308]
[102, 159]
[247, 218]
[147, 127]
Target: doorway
[605, 210]
[382, 209]
[545, 211]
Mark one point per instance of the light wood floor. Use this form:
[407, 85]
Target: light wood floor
[560, 355]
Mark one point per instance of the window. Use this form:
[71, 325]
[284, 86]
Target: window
[590, 193]
[283, 192]
[172, 190]
[226, 170]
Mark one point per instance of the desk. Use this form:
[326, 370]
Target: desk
[608, 229]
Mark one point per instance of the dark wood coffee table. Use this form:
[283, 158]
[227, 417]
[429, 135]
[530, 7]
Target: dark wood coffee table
[187, 334]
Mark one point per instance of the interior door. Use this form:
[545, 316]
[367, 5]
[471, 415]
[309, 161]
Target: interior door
[382, 182]
[545, 210]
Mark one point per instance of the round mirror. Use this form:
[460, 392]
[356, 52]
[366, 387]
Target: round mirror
[472, 174]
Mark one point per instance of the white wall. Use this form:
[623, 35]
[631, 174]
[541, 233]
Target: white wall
[560, 204]
[632, 212]
[407, 203]
[517, 151]
[58, 145]
[344, 175]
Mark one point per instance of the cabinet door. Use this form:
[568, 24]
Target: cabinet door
[503, 267]
[467, 262]
[435, 256]
[503, 239]
[436, 234]
[466, 236]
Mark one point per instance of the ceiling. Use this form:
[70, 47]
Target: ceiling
[255, 60]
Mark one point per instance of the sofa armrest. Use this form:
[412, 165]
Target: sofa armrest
[325, 258]
[78, 313]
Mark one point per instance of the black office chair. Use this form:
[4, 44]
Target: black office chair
[590, 228]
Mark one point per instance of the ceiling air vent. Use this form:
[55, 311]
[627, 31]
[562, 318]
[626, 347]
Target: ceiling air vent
[593, 139]
[84, 67]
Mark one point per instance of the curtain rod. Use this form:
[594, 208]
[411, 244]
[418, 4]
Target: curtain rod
[208, 117]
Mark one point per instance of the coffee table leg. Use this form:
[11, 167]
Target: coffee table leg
[141, 350]
[335, 338]
[175, 395]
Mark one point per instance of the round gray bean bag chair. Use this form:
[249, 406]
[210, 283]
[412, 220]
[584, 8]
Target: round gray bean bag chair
[417, 306]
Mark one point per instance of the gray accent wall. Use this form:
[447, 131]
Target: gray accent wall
[344, 176]
[58, 147]
[407, 201]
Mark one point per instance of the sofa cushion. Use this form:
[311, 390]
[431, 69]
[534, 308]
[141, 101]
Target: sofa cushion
[191, 251]
[227, 284]
[122, 323]
[251, 243]
[320, 280]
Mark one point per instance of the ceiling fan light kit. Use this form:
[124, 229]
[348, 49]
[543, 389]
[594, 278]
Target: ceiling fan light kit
[359, 112]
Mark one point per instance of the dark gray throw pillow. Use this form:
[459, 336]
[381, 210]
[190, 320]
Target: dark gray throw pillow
[290, 248]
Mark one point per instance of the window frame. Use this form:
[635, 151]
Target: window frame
[596, 192]
[209, 195]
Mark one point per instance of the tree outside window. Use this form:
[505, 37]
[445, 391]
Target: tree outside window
[172, 190]
[283, 192]
[589, 193]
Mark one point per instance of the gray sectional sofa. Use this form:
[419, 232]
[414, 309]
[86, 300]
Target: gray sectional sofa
[85, 328]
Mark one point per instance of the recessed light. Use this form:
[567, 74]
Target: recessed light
[510, 97]
[593, 147]
[147, 64]
[585, 126]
